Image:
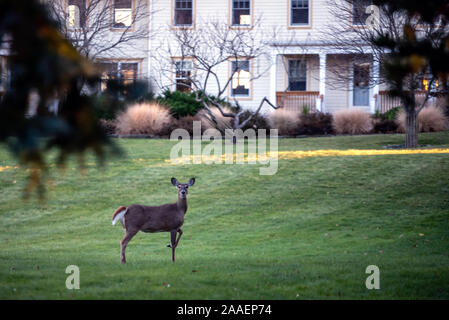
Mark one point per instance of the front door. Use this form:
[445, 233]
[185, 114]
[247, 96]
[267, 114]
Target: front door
[361, 85]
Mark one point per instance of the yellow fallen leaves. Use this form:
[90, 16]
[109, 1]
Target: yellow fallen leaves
[4, 168]
[356, 152]
[287, 155]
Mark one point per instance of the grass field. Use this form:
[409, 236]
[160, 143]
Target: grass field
[308, 232]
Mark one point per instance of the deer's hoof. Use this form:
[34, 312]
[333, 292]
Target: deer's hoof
[122, 261]
[168, 245]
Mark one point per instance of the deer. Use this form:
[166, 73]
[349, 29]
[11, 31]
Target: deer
[165, 218]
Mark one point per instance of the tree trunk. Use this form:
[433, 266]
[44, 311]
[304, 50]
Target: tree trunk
[411, 129]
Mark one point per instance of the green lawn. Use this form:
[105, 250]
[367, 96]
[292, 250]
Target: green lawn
[307, 232]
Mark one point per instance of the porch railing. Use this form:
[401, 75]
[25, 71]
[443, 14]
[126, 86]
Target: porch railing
[386, 102]
[297, 100]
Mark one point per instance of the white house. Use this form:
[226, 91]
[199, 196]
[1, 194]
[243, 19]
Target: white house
[296, 73]
[300, 62]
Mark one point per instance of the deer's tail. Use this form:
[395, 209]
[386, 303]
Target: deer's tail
[119, 214]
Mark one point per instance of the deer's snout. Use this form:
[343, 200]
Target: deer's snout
[183, 193]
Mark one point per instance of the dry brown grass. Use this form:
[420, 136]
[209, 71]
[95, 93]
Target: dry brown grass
[352, 121]
[286, 121]
[145, 118]
[430, 119]
[222, 122]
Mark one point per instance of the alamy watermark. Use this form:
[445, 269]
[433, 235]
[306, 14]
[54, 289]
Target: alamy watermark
[188, 151]
[373, 19]
[73, 280]
[373, 280]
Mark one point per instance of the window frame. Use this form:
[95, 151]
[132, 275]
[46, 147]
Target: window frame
[231, 16]
[291, 25]
[173, 16]
[86, 23]
[251, 81]
[306, 75]
[357, 25]
[119, 62]
[126, 28]
[174, 78]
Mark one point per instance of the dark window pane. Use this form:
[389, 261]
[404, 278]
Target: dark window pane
[77, 13]
[297, 86]
[240, 82]
[359, 14]
[123, 4]
[129, 72]
[183, 74]
[361, 75]
[297, 75]
[300, 11]
[241, 12]
[183, 85]
[183, 12]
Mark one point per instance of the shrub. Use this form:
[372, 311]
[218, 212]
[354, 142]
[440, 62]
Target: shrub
[185, 123]
[107, 107]
[258, 121]
[385, 126]
[108, 126]
[222, 122]
[429, 119]
[352, 121]
[145, 118]
[113, 100]
[391, 114]
[286, 121]
[181, 104]
[315, 123]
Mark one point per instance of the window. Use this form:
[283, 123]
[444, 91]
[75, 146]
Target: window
[241, 12]
[76, 11]
[361, 84]
[183, 12]
[299, 14]
[241, 78]
[125, 72]
[183, 75]
[297, 75]
[359, 15]
[122, 15]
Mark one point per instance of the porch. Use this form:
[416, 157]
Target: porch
[321, 79]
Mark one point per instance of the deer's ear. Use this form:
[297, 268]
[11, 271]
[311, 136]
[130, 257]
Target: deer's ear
[174, 182]
[191, 182]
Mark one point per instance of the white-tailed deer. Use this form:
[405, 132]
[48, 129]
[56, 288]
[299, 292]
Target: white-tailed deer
[165, 218]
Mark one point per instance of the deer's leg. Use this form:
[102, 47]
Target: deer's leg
[129, 234]
[179, 236]
[173, 244]
[177, 240]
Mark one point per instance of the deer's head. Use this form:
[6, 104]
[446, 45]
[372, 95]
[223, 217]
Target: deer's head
[182, 187]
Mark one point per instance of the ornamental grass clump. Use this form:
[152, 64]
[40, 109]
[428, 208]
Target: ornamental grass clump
[144, 118]
[352, 121]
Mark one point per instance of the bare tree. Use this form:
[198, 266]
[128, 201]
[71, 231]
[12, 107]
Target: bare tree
[381, 34]
[208, 49]
[102, 28]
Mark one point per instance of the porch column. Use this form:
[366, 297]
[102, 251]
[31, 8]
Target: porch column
[273, 71]
[375, 97]
[320, 100]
